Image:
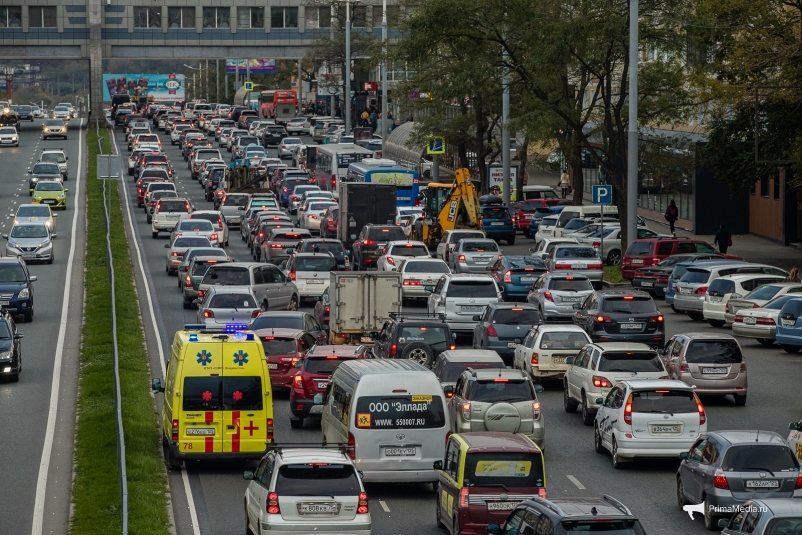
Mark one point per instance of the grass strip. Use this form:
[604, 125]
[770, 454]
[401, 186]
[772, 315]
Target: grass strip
[612, 274]
[96, 491]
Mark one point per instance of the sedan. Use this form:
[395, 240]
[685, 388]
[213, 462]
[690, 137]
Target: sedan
[417, 273]
[503, 326]
[227, 304]
[287, 145]
[178, 247]
[761, 295]
[576, 259]
[396, 251]
[54, 128]
[515, 275]
[760, 323]
[31, 242]
[473, 255]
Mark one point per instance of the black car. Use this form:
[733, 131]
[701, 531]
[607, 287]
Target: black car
[10, 349]
[503, 326]
[16, 287]
[210, 185]
[273, 135]
[621, 316]
[119, 117]
[370, 242]
[569, 515]
[419, 337]
[654, 279]
[323, 245]
[25, 113]
[303, 321]
[42, 171]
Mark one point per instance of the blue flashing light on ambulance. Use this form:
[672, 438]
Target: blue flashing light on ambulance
[384, 171]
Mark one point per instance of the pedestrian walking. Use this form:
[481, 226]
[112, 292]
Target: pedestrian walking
[671, 215]
[564, 183]
[723, 239]
[793, 276]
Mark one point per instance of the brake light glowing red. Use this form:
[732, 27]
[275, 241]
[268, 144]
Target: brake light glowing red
[627, 410]
[363, 504]
[548, 296]
[508, 276]
[297, 381]
[601, 382]
[272, 504]
[491, 331]
[463, 497]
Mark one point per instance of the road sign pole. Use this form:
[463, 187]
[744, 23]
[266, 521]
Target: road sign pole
[601, 240]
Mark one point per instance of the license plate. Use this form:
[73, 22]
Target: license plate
[762, 484]
[647, 284]
[578, 266]
[365, 339]
[50, 201]
[471, 309]
[315, 281]
[715, 298]
[637, 261]
[720, 371]
[400, 452]
[527, 216]
[750, 321]
[665, 429]
[480, 258]
[271, 366]
[528, 279]
[572, 299]
[318, 508]
[501, 506]
[322, 385]
[632, 325]
[201, 431]
[4, 303]
[788, 323]
[497, 224]
[558, 360]
[684, 291]
[512, 345]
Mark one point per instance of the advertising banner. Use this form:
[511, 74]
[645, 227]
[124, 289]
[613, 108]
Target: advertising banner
[158, 86]
[495, 177]
[256, 66]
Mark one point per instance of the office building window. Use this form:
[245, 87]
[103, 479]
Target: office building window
[318, 17]
[251, 17]
[283, 17]
[42, 17]
[10, 17]
[181, 17]
[393, 16]
[359, 16]
[216, 17]
[147, 17]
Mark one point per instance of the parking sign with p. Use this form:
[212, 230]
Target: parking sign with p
[602, 194]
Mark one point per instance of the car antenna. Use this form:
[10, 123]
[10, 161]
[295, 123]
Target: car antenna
[594, 511]
[757, 437]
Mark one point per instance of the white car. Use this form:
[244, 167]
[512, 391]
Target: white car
[450, 239]
[297, 194]
[417, 273]
[395, 251]
[721, 290]
[312, 212]
[196, 227]
[287, 145]
[760, 323]
[546, 228]
[543, 351]
[168, 213]
[642, 418]
[9, 136]
[545, 246]
[218, 223]
[297, 125]
[310, 272]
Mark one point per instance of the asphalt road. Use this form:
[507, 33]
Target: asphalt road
[32, 422]
[214, 504]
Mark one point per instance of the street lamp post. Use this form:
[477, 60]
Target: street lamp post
[194, 87]
[347, 91]
[384, 71]
[632, 133]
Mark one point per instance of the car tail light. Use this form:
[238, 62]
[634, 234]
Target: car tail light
[393, 350]
[701, 409]
[684, 367]
[602, 319]
[491, 331]
[662, 280]
[536, 410]
[201, 293]
[351, 447]
[208, 314]
[411, 282]
[798, 484]
[720, 480]
[188, 280]
[297, 381]
[508, 276]
[465, 409]
[312, 216]
[214, 236]
[255, 313]
[270, 429]
[594, 266]
[628, 410]
[363, 504]
[562, 266]
[597, 244]
[174, 430]
[743, 368]
[391, 260]
[275, 246]
[765, 321]
[370, 242]
[463, 497]
[272, 504]
[261, 234]
[738, 319]
[701, 290]
[541, 492]
[601, 382]
[548, 296]
[292, 275]
[659, 318]
[535, 358]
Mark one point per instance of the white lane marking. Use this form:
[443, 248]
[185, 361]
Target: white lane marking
[193, 514]
[576, 482]
[384, 506]
[47, 449]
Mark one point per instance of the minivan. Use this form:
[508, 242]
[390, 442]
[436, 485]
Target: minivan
[392, 415]
[572, 212]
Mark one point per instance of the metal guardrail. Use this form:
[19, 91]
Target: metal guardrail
[118, 409]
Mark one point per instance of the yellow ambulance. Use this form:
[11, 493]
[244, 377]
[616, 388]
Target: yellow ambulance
[217, 398]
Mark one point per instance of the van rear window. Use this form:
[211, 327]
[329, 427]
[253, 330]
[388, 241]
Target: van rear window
[317, 479]
[222, 393]
[400, 412]
[507, 469]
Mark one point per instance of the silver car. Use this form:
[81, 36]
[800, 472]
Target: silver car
[297, 194]
[227, 304]
[178, 247]
[473, 255]
[461, 297]
[196, 227]
[218, 223]
[580, 259]
[554, 294]
[230, 208]
[608, 242]
[273, 289]
[287, 145]
[281, 242]
[31, 242]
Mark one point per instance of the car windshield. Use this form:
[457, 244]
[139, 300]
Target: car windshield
[323, 366]
[275, 345]
[576, 224]
[12, 273]
[199, 269]
[49, 186]
[574, 284]
[714, 352]
[516, 316]
[386, 234]
[495, 213]
[664, 401]
[315, 263]
[496, 390]
[609, 527]
[517, 469]
[5, 332]
[317, 479]
[191, 241]
[479, 247]
[54, 123]
[409, 250]
[642, 248]
[46, 169]
[196, 225]
[235, 200]
[576, 252]
[232, 301]
[457, 236]
[633, 305]
[563, 340]
[158, 173]
[33, 211]
[426, 267]
[630, 361]
[472, 288]
[29, 231]
[291, 141]
[529, 206]
[229, 276]
[760, 457]
[598, 232]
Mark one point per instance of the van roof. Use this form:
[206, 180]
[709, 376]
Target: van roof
[356, 369]
[487, 442]
[471, 355]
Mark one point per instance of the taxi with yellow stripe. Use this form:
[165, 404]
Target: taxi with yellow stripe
[484, 476]
[218, 403]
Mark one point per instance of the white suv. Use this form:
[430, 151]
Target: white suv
[648, 419]
[168, 213]
[461, 298]
[313, 488]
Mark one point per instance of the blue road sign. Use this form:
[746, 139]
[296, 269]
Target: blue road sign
[602, 194]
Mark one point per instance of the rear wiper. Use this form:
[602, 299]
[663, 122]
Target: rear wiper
[316, 494]
[620, 370]
[661, 412]
[759, 468]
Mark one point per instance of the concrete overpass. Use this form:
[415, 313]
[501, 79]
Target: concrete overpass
[164, 29]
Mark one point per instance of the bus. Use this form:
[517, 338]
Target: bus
[278, 104]
[383, 171]
[332, 161]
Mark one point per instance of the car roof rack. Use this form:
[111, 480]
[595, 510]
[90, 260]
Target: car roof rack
[549, 505]
[667, 238]
[617, 504]
[401, 316]
[342, 446]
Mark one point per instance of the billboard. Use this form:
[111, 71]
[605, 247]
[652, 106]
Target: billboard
[256, 66]
[158, 86]
[495, 177]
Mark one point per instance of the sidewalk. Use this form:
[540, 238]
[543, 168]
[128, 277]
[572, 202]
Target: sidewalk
[748, 246]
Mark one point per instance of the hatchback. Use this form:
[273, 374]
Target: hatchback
[515, 275]
[621, 316]
[284, 348]
[546, 228]
[461, 297]
[168, 213]
[31, 242]
[496, 221]
[503, 326]
[178, 247]
[450, 239]
[281, 242]
[323, 245]
[310, 272]
[417, 273]
[196, 227]
[555, 294]
[580, 259]
[473, 255]
[543, 352]
[394, 252]
[227, 304]
[290, 320]
[716, 306]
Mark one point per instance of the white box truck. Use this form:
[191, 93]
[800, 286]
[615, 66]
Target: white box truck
[360, 304]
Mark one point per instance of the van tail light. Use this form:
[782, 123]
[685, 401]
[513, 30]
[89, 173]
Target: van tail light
[292, 275]
[798, 484]
[548, 296]
[270, 429]
[256, 313]
[684, 367]
[351, 447]
[628, 411]
[491, 331]
[174, 430]
[297, 381]
[465, 409]
[701, 409]
[393, 350]
[362, 509]
[659, 318]
[701, 290]
[536, 410]
[272, 504]
[541, 492]
[743, 368]
[601, 382]
[602, 319]
[720, 480]
[463, 497]
[535, 358]
[508, 276]
[461, 258]
[208, 314]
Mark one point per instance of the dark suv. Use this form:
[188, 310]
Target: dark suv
[16, 287]
[621, 316]
[654, 279]
[323, 245]
[560, 516]
[10, 349]
[418, 337]
[273, 135]
[368, 245]
[646, 252]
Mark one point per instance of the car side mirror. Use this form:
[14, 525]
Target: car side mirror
[437, 465]
[156, 385]
[197, 302]
[54, 235]
[577, 306]
[794, 426]
[33, 278]
[247, 475]
[569, 360]
[241, 208]
[683, 455]
[538, 389]
[19, 336]
[166, 245]
[454, 336]
[494, 529]
[66, 190]
[318, 399]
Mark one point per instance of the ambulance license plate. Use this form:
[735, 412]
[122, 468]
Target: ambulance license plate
[399, 452]
[501, 506]
[202, 431]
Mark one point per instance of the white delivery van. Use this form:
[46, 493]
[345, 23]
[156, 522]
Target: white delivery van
[392, 412]
[572, 212]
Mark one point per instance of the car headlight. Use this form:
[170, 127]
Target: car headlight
[36, 196]
[34, 179]
[62, 195]
[24, 293]
[5, 355]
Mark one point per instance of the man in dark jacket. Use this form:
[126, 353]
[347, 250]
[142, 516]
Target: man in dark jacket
[723, 239]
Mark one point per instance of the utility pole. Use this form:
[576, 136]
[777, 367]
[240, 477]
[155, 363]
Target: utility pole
[300, 86]
[632, 133]
[385, 126]
[217, 80]
[207, 80]
[346, 106]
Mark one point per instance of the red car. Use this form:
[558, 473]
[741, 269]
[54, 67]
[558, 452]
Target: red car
[647, 252]
[313, 377]
[328, 225]
[141, 186]
[284, 348]
[526, 212]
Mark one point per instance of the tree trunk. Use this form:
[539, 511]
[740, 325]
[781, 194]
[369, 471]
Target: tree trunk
[479, 150]
[523, 159]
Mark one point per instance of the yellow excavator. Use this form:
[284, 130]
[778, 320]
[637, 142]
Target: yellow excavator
[449, 207]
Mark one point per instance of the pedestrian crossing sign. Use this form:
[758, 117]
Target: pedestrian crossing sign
[248, 86]
[363, 419]
[436, 145]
